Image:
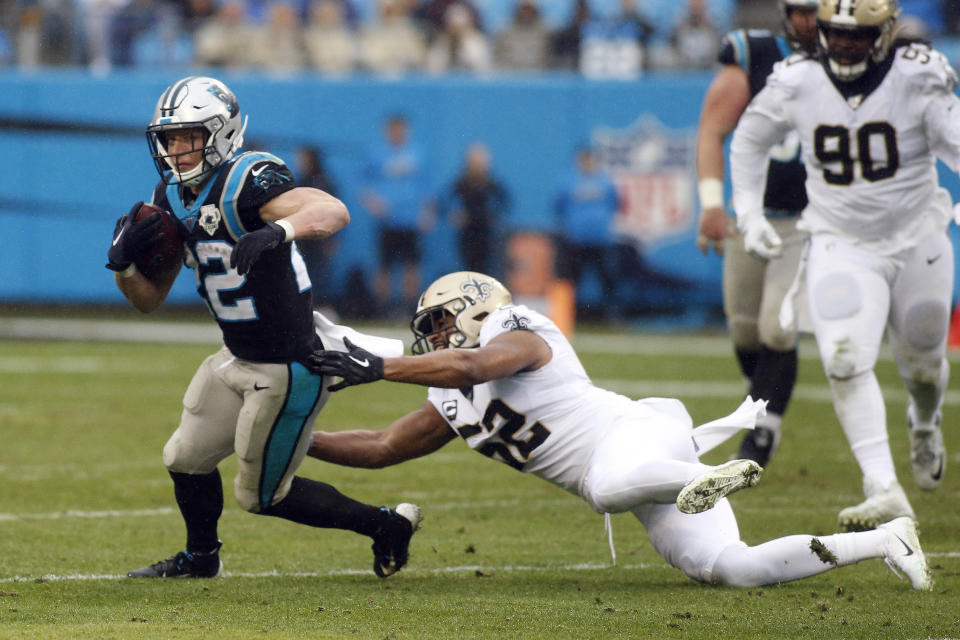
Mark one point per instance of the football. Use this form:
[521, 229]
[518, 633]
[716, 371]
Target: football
[167, 254]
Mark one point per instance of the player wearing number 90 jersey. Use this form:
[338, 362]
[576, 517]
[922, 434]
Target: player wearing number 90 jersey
[873, 115]
[869, 145]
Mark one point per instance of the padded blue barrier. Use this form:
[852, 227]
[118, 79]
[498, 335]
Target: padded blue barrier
[75, 158]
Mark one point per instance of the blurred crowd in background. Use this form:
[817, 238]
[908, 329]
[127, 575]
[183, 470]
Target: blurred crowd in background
[605, 38]
[344, 36]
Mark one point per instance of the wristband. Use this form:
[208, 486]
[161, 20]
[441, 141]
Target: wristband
[711, 193]
[128, 272]
[288, 232]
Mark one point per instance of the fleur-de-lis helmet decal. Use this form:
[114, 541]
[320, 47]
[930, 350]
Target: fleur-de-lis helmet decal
[476, 288]
[455, 307]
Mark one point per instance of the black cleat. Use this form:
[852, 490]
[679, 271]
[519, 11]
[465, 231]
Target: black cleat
[759, 445]
[184, 565]
[391, 548]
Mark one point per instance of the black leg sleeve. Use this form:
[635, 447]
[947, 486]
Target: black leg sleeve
[775, 377]
[200, 498]
[318, 504]
[748, 362]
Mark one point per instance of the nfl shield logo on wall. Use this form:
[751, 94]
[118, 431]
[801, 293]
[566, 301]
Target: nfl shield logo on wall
[653, 168]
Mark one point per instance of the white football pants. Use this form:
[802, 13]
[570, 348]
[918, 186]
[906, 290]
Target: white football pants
[641, 465]
[855, 295]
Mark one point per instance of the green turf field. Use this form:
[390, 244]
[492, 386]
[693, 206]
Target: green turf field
[85, 498]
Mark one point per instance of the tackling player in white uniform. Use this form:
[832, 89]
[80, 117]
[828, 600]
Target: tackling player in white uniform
[505, 379]
[872, 116]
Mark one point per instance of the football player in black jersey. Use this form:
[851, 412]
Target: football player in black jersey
[241, 213]
[754, 288]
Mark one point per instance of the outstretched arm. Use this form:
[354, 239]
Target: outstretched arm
[414, 435]
[504, 356]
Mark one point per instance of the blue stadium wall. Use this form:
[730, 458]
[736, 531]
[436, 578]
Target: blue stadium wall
[75, 158]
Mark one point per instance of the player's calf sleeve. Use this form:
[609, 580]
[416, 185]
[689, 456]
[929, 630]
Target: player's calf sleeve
[318, 504]
[200, 498]
[774, 377]
[747, 358]
[926, 393]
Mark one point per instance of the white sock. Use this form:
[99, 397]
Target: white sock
[792, 557]
[863, 416]
[848, 548]
[770, 421]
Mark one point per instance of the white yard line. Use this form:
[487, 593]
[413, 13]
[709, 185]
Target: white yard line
[77, 513]
[87, 577]
[623, 343]
[588, 566]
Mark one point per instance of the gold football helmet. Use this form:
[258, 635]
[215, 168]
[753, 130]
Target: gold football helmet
[455, 306]
[873, 20]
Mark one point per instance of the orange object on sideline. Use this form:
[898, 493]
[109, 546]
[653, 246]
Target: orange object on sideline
[562, 305]
[953, 338]
[530, 256]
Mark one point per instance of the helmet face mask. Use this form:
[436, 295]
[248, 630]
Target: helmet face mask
[195, 103]
[183, 150]
[452, 310]
[853, 35]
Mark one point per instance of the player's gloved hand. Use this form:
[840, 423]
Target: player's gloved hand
[356, 366]
[251, 245]
[130, 239]
[760, 239]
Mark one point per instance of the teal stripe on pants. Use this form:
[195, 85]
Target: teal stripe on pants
[302, 395]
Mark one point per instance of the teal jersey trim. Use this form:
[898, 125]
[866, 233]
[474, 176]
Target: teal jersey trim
[302, 396]
[740, 43]
[176, 203]
[784, 46]
[231, 191]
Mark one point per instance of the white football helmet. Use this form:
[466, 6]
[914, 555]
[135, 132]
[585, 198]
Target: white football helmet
[196, 102]
[796, 41]
[877, 17]
[466, 296]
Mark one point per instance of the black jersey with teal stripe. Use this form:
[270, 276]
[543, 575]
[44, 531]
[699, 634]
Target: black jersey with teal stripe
[266, 315]
[756, 51]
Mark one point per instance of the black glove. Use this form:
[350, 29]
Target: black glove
[251, 245]
[357, 366]
[131, 239]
